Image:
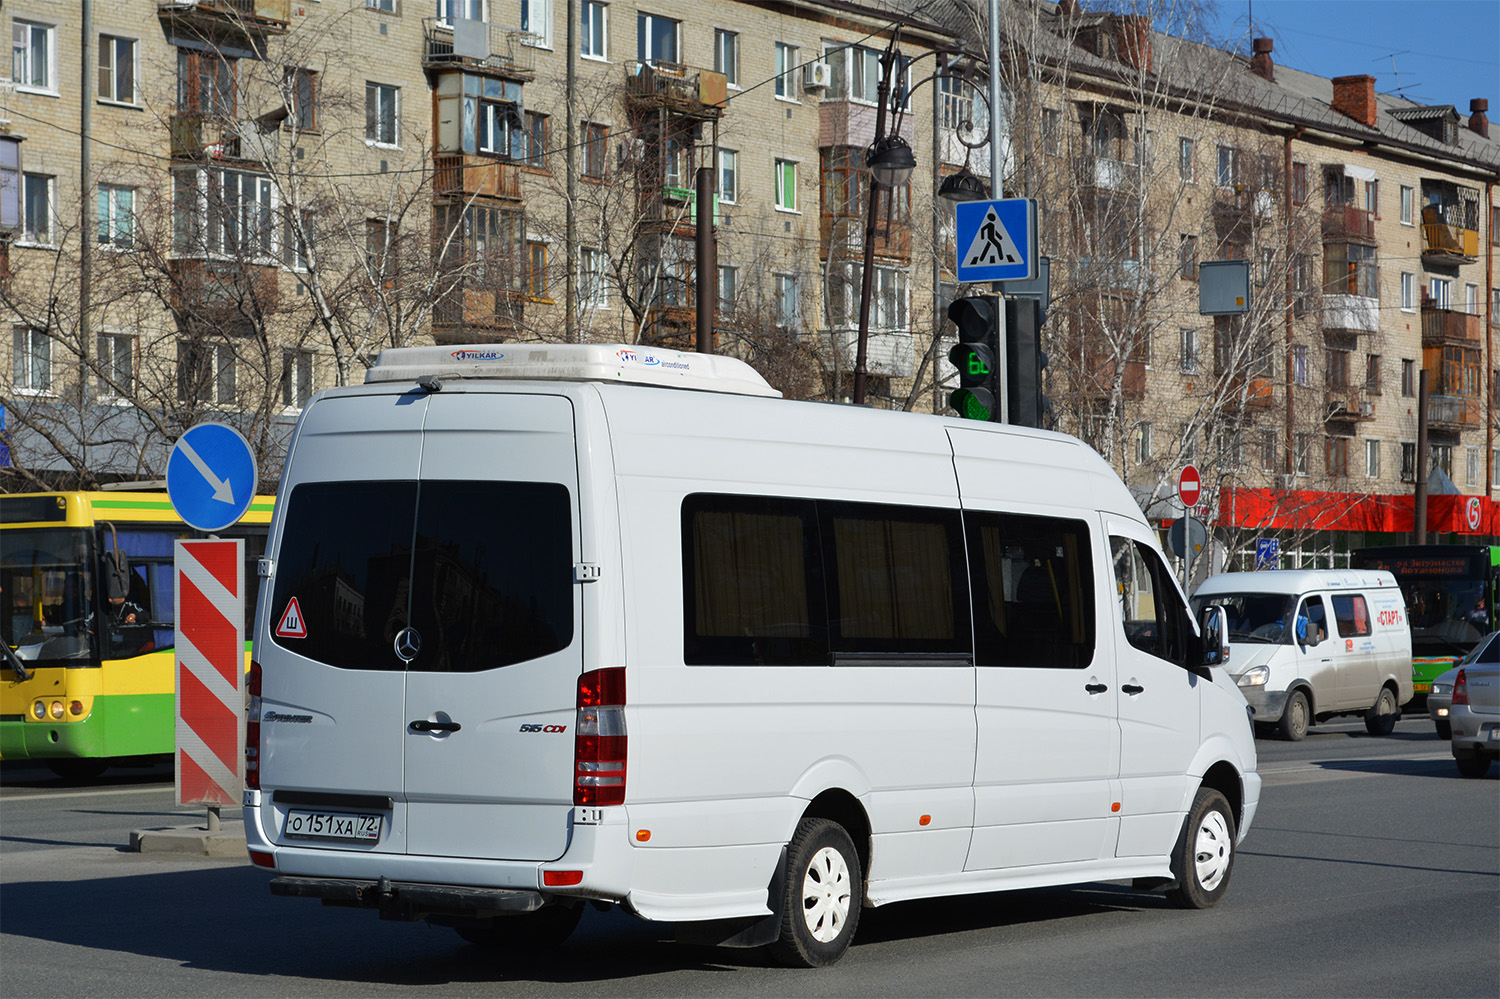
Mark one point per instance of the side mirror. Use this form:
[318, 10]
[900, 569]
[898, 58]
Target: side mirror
[1213, 624]
[115, 566]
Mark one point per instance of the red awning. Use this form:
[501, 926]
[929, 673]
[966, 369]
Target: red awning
[1310, 510]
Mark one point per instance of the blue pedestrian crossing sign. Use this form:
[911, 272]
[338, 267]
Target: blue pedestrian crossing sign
[997, 240]
[211, 476]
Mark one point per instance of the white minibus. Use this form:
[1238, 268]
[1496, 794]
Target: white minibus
[543, 626]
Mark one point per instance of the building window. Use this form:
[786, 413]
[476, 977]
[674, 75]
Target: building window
[593, 279]
[116, 222]
[1473, 466]
[1229, 166]
[788, 306]
[116, 365]
[295, 238]
[32, 56]
[1408, 461]
[1408, 378]
[117, 69]
[1407, 200]
[1268, 451]
[1471, 299]
[1338, 456]
[786, 185]
[223, 211]
[856, 72]
[1372, 374]
[1372, 197]
[536, 17]
[537, 129]
[471, 10]
[206, 84]
[302, 87]
[593, 33]
[536, 271]
[384, 6]
[1186, 156]
[728, 289]
[729, 171]
[1142, 443]
[1267, 264]
[1440, 293]
[36, 204]
[1300, 374]
[1189, 360]
[1372, 459]
[205, 373]
[727, 55]
[1408, 292]
[31, 356]
[656, 38]
[382, 114]
[786, 68]
[1301, 448]
[1188, 257]
[1442, 457]
[296, 378]
[1299, 183]
[1337, 374]
[1350, 269]
[595, 148]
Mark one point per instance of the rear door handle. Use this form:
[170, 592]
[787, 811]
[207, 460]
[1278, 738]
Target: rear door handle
[423, 725]
[1096, 688]
[1132, 688]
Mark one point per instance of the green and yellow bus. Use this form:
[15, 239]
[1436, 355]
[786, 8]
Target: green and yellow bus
[1450, 593]
[87, 624]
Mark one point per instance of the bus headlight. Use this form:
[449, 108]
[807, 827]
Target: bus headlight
[1255, 676]
[39, 710]
[56, 710]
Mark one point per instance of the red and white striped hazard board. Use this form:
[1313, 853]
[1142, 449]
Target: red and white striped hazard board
[210, 599]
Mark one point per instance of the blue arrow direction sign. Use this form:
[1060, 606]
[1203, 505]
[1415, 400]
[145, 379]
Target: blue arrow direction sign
[997, 240]
[211, 476]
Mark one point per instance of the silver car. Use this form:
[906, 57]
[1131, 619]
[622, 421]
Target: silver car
[1475, 717]
[1438, 699]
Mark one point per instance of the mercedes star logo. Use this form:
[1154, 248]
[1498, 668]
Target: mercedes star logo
[408, 644]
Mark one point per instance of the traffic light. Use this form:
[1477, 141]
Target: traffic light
[1024, 361]
[980, 322]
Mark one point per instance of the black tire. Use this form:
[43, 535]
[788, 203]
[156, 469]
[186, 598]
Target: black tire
[543, 929]
[1203, 859]
[1381, 718]
[1472, 764]
[821, 896]
[77, 769]
[1295, 717]
[1444, 729]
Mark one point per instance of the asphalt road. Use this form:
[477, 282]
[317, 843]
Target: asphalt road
[1372, 870]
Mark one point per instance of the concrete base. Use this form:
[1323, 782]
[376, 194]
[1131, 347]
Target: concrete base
[196, 840]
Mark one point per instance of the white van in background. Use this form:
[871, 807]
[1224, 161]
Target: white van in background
[549, 625]
[1311, 644]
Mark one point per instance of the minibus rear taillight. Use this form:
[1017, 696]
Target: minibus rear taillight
[252, 728]
[599, 739]
[1460, 690]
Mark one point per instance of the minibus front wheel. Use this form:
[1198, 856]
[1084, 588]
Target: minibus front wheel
[1204, 856]
[822, 894]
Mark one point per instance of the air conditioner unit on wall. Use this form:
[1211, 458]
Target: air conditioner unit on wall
[817, 76]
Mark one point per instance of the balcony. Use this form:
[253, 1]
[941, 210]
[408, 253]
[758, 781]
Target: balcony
[686, 90]
[1098, 274]
[850, 123]
[888, 353]
[476, 313]
[1448, 244]
[210, 137]
[468, 176]
[1452, 412]
[255, 17]
[1346, 404]
[1342, 223]
[478, 45]
[1104, 173]
[1239, 204]
[222, 293]
[1445, 327]
[842, 237]
[672, 327]
[1351, 313]
[1098, 380]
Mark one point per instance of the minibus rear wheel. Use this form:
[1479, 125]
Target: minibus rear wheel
[821, 895]
[545, 928]
[1381, 719]
[1204, 856]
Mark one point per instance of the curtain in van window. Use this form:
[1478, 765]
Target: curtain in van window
[1033, 591]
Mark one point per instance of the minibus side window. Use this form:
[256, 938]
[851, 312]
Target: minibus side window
[345, 557]
[1154, 618]
[897, 585]
[1033, 589]
[752, 582]
[1352, 615]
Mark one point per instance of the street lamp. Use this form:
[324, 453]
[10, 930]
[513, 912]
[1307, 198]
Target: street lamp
[891, 161]
[961, 187]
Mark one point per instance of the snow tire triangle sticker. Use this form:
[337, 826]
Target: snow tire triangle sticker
[992, 244]
[291, 624]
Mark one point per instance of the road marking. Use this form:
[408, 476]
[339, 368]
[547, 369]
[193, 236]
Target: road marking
[24, 796]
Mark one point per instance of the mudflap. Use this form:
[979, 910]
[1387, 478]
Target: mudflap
[744, 931]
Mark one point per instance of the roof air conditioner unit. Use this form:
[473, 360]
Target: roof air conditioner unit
[817, 76]
[1367, 409]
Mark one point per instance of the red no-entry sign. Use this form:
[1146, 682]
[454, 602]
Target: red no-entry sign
[1189, 486]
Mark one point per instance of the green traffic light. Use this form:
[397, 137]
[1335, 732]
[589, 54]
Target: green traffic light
[972, 404]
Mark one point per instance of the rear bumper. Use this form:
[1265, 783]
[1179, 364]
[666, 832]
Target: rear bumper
[408, 901]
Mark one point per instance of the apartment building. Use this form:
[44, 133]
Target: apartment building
[271, 191]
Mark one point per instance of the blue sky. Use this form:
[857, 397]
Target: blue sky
[1432, 51]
